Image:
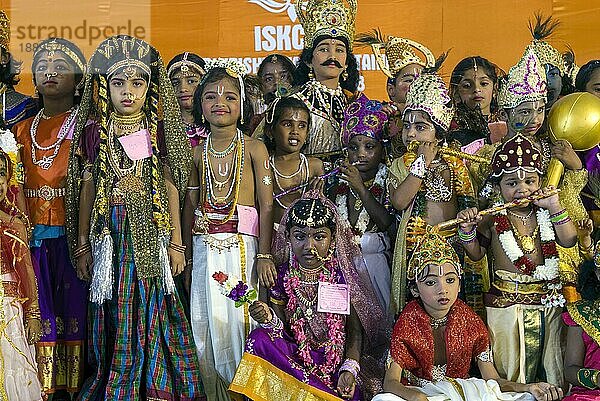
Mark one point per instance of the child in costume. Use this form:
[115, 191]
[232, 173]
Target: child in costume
[403, 62]
[425, 186]
[185, 71]
[275, 75]
[361, 196]
[57, 69]
[522, 99]
[20, 325]
[126, 180]
[287, 124]
[474, 90]
[524, 302]
[312, 342]
[232, 193]
[437, 336]
[582, 357]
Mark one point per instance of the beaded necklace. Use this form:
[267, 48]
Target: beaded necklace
[46, 161]
[303, 169]
[231, 199]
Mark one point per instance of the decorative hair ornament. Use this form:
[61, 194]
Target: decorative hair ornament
[9, 146]
[235, 70]
[432, 249]
[428, 93]
[541, 30]
[330, 18]
[184, 65]
[517, 154]
[311, 213]
[525, 82]
[394, 53]
[4, 31]
[363, 117]
[54, 45]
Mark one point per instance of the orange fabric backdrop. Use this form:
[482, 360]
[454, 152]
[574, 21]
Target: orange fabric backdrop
[244, 29]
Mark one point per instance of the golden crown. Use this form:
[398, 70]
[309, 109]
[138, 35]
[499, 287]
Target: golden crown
[327, 17]
[525, 82]
[432, 249]
[399, 52]
[4, 30]
[428, 93]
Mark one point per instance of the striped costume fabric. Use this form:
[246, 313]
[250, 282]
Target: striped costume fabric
[141, 344]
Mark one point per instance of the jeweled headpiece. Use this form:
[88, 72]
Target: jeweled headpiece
[399, 52]
[431, 249]
[525, 82]
[235, 70]
[9, 147]
[542, 29]
[327, 18]
[123, 53]
[428, 93]
[4, 31]
[59, 44]
[310, 213]
[184, 65]
[518, 154]
[363, 117]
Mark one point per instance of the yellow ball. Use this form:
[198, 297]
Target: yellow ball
[576, 118]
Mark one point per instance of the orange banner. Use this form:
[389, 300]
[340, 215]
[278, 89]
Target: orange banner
[251, 29]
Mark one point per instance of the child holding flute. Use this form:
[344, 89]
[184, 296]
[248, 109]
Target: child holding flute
[426, 186]
[524, 303]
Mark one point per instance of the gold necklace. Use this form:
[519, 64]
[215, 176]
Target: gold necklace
[127, 124]
[527, 241]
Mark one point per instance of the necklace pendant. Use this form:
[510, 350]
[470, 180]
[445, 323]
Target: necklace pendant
[527, 243]
[45, 162]
[358, 204]
[309, 313]
[131, 183]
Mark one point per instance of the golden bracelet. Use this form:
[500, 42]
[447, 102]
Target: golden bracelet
[259, 256]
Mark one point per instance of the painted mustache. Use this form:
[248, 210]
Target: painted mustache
[332, 61]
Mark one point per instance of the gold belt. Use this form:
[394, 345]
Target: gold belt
[45, 192]
[514, 287]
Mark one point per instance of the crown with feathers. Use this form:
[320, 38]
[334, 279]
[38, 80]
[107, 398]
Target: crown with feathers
[399, 52]
[542, 29]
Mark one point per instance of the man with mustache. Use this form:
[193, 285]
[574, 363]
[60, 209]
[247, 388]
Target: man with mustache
[327, 74]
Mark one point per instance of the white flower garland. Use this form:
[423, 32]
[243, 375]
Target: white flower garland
[7, 142]
[549, 270]
[363, 220]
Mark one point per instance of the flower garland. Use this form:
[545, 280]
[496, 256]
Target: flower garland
[376, 189]
[334, 347]
[546, 272]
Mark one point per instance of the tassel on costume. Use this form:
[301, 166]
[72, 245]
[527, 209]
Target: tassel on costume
[102, 275]
[165, 263]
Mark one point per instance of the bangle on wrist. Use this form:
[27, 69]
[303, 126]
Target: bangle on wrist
[418, 167]
[82, 250]
[274, 324]
[177, 247]
[259, 256]
[467, 237]
[352, 366]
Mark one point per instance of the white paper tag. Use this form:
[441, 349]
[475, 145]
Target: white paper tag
[333, 298]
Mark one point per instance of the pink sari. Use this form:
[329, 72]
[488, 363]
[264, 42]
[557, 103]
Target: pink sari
[592, 354]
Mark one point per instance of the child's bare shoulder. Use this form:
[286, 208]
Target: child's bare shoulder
[315, 166]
